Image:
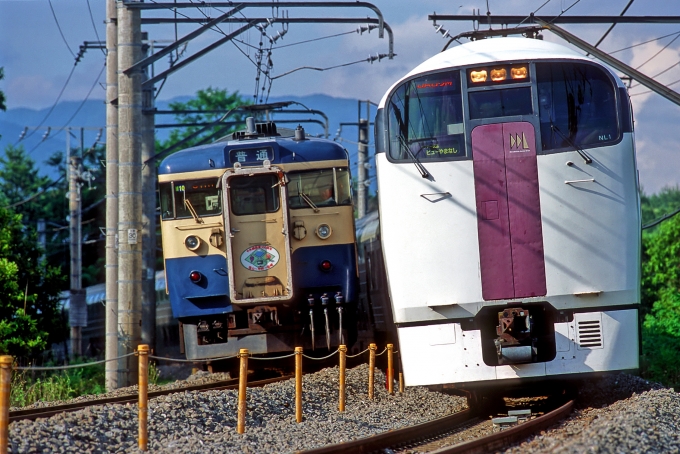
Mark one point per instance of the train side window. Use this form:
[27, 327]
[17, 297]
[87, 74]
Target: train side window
[500, 103]
[425, 119]
[577, 106]
[167, 204]
[254, 194]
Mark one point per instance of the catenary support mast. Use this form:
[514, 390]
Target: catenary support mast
[111, 344]
[130, 191]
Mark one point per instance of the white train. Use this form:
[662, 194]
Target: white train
[510, 215]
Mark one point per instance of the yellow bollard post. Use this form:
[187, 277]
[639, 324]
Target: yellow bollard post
[242, 384]
[298, 384]
[371, 369]
[343, 360]
[401, 383]
[143, 390]
[5, 383]
[390, 369]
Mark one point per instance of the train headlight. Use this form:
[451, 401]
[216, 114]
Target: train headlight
[519, 73]
[192, 242]
[498, 74]
[478, 76]
[323, 231]
[195, 277]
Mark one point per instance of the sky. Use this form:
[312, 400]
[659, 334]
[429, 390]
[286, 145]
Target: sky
[40, 38]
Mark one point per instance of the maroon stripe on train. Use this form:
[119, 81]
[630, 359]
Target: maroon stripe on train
[508, 211]
[493, 225]
[524, 205]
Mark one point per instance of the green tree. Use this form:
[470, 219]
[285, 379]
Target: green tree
[657, 205]
[208, 106]
[30, 315]
[661, 289]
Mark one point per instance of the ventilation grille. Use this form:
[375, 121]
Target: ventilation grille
[589, 334]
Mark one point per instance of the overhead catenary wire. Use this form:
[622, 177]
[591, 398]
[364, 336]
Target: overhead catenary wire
[657, 54]
[68, 79]
[37, 194]
[89, 8]
[59, 28]
[72, 116]
[661, 219]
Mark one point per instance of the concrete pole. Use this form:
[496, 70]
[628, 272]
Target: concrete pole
[361, 172]
[77, 306]
[149, 217]
[130, 191]
[111, 350]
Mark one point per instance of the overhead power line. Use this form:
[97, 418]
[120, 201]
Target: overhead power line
[59, 27]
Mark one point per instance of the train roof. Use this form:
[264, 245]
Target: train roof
[491, 50]
[285, 150]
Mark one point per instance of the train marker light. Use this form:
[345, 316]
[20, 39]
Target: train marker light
[192, 242]
[195, 277]
[478, 76]
[519, 73]
[326, 265]
[324, 231]
[498, 75]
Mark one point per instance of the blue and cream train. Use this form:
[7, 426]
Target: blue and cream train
[259, 243]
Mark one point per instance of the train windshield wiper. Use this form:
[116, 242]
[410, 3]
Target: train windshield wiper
[309, 202]
[423, 171]
[193, 212]
[578, 149]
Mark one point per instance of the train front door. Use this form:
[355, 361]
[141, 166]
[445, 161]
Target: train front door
[509, 225]
[258, 246]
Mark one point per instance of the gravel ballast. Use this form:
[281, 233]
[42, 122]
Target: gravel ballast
[206, 421]
[614, 414]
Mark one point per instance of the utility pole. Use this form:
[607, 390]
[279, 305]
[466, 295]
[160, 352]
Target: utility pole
[77, 304]
[111, 344]
[149, 217]
[130, 191]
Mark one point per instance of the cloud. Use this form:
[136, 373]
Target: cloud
[640, 94]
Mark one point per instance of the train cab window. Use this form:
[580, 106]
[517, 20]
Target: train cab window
[319, 188]
[426, 119]
[500, 102]
[254, 194]
[179, 198]
[577, 106]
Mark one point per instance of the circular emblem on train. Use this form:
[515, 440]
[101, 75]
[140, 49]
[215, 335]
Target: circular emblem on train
[259, 258]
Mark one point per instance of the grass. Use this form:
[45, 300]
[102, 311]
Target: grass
[30, 387]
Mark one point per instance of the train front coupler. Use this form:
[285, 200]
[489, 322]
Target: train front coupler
[515, 343]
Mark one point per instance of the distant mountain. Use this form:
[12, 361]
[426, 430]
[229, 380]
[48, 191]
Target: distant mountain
[91, 117]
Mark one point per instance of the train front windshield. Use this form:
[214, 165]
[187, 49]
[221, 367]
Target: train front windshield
[323, 187]
[573, 105]
[426, 118]
[178, 198]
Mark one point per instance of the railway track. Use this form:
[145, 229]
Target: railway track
[443, 435]
[46, 412]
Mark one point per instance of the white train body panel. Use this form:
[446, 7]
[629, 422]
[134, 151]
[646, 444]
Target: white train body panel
[430, 233]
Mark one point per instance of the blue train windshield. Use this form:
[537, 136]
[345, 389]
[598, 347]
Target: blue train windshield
[320, 188]
[179, 198]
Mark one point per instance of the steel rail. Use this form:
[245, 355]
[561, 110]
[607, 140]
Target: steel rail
[431, 429]
[509, 436]
[46, 412]
[395, 437]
